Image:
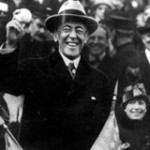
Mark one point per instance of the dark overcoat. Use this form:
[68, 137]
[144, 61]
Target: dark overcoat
[30, 48]
[145, 71]
[59, 113]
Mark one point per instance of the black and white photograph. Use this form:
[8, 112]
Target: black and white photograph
[74, 74]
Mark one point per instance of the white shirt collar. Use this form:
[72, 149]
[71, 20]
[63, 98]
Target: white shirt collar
[147, 52]
[67, 61]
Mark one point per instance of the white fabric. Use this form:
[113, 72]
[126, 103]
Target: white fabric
[11, 143]
[15, 107]
[147, 52]
[68, 61]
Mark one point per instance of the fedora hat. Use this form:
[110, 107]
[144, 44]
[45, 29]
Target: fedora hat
[40, 11]
[71, 10]
[122, 21]
[144, 29]
[134, 92]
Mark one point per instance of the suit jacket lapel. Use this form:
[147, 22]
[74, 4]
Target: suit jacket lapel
[82, 76]
[145, 64]
[60, 69]
[145, 60]
[82, 72]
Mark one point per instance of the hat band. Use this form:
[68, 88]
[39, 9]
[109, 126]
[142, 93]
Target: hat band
[72, 12]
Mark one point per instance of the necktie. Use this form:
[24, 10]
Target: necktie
[72, 69]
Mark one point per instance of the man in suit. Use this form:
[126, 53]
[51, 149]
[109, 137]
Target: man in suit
[64, 109]
[38, 42]
[144, 58]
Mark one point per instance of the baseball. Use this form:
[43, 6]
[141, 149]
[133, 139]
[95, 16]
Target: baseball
[22, 15]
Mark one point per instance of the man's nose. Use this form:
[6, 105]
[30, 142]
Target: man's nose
[96, 40]
[73, 34]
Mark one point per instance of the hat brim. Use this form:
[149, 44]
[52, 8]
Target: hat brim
[103, 3]
[52, 22]
[143, 30]
[123, 23]
[144, 97]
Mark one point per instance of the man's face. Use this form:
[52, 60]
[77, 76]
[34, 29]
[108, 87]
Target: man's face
[98, 41]
[37, 30]
[71, 37]
[146, 40]
[136, 109]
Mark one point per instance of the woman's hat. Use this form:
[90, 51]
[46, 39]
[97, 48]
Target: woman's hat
[144, 29]
[105, 2]
[134, 92]
[71, 10]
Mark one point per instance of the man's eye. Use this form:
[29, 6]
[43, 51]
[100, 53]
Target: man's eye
[92, 38]
[79, 31]
[66, 29]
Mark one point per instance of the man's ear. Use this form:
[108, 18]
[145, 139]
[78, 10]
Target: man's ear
[86, 38]
[55, 35]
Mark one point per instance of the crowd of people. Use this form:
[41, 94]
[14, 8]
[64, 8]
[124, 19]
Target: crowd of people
[59, 69]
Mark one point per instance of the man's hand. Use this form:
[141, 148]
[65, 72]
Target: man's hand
[14, 32]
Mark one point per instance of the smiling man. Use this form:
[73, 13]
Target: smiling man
[97, 47]
[66, 101]
[71, 37]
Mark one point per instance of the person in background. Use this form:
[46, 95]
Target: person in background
[140, 21]
[38, 42]
[133, 118]
[144, 59]
[11, 106]
[100, 8]
[146, 13]
[127, 53]
[100, 50]
[118, 4]
[97, 46]
[66, 101]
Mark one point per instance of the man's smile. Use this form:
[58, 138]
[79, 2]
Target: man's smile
[72, 44]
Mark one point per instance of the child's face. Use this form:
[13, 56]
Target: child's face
[136, 109]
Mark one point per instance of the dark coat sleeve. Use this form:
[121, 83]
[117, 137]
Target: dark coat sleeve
[9, 73]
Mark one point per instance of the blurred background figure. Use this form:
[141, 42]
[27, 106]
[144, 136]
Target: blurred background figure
[133, 117]
[37, 28]
[145, 54]
[4, 18]
[140, 19]
[100, 51]
[38, 42]
[97, 46]
[123, 24]
[122, 30]
[100, 8]
[146, 12]
[118, 4]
